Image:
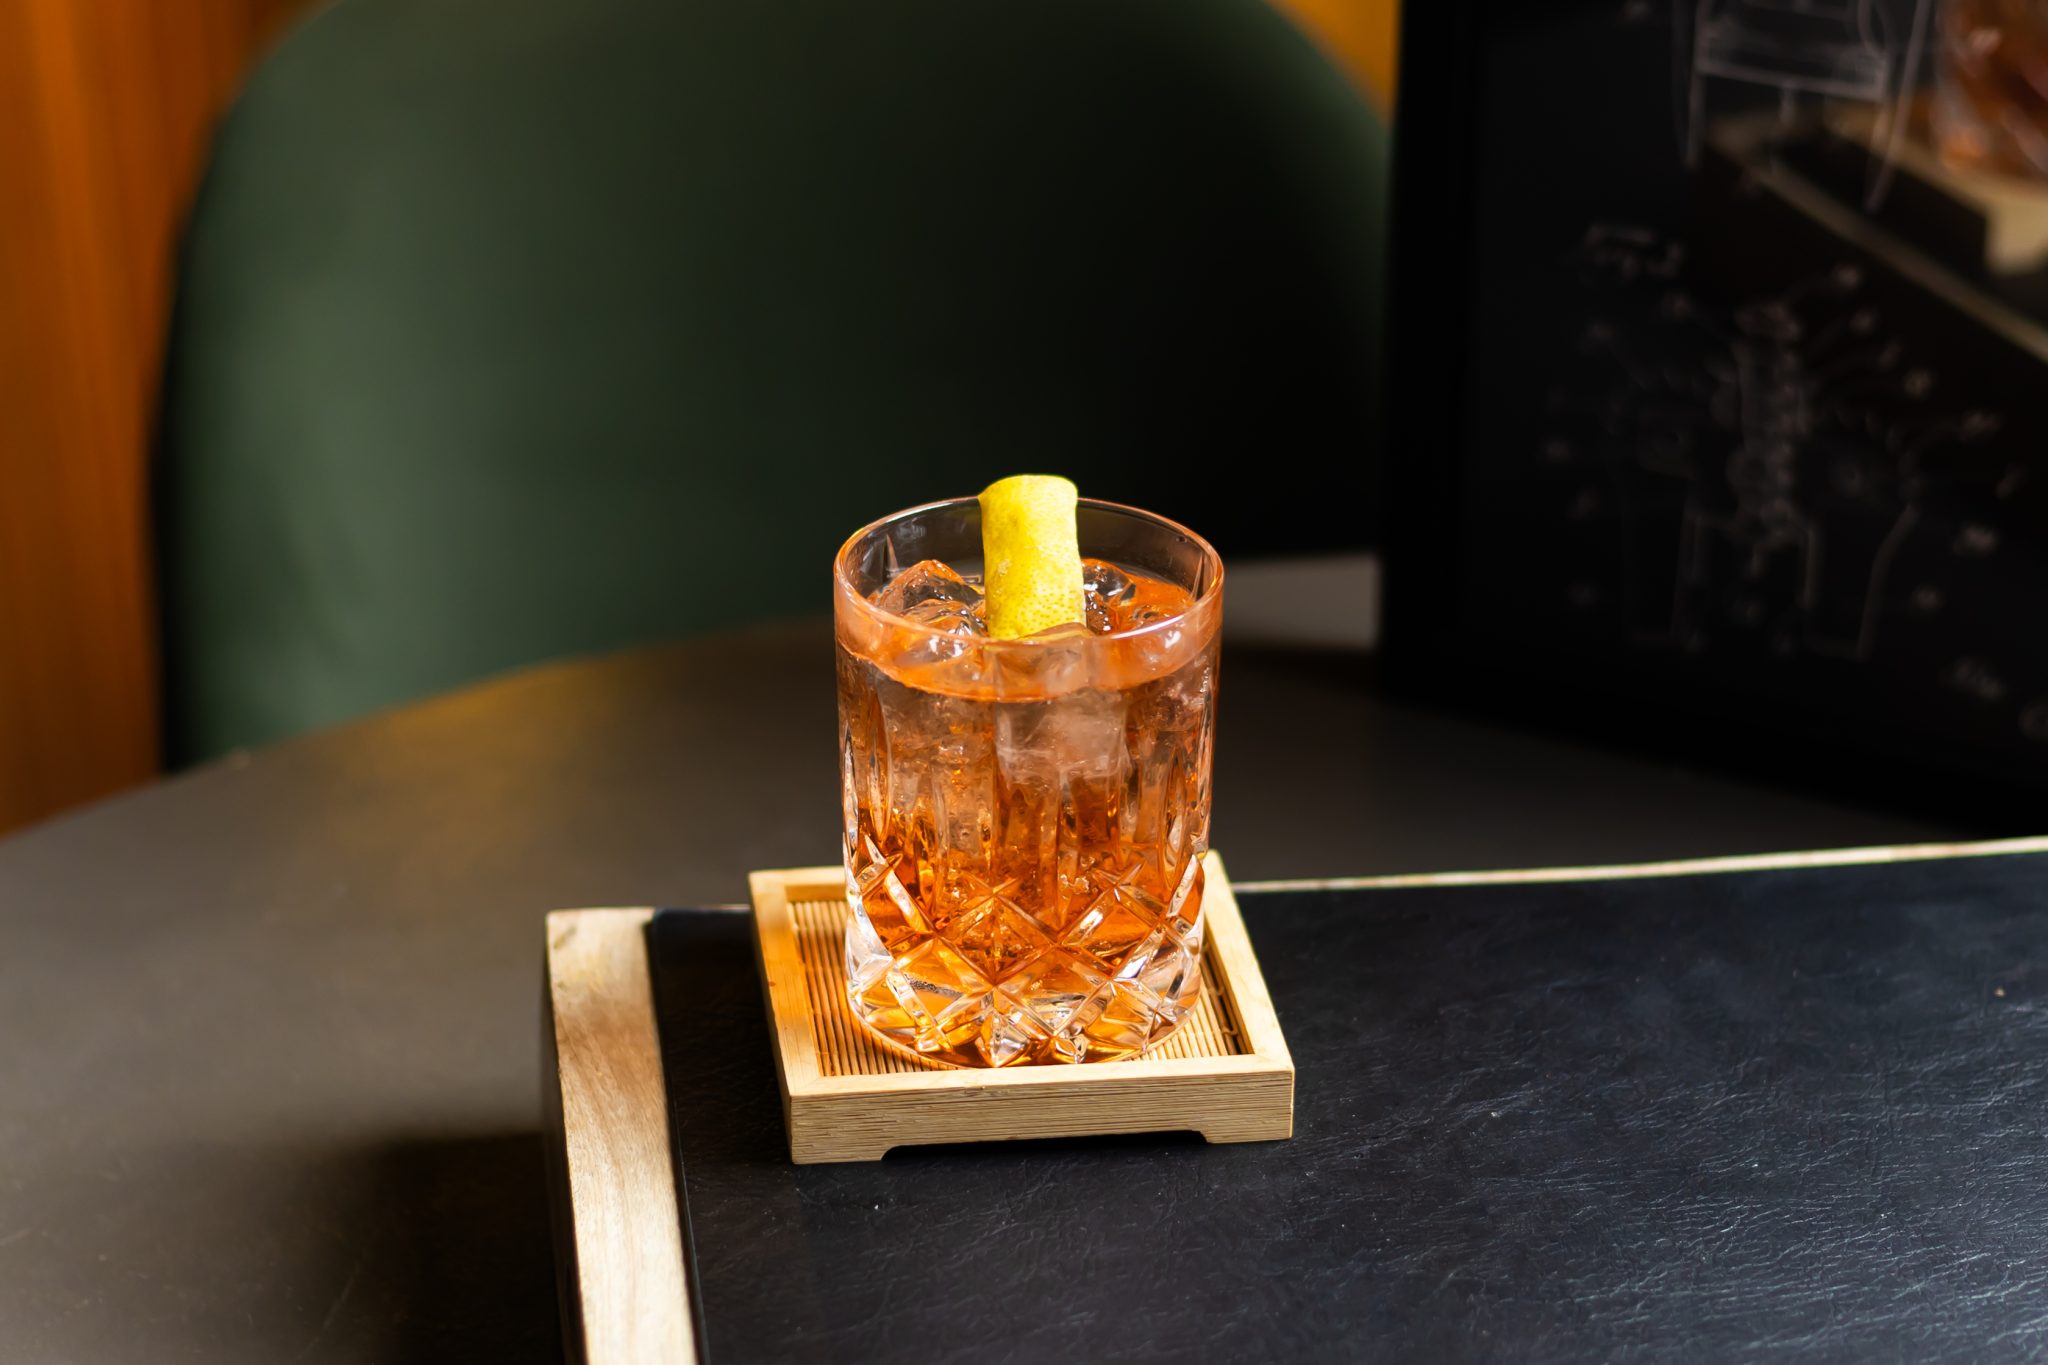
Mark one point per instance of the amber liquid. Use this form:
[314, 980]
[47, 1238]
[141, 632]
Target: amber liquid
[1991, 98]
[1025, 870]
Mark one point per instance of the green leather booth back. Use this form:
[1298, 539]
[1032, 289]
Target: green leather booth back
[510, 329]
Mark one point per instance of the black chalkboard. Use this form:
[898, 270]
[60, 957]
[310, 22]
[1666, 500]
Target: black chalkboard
[1720, 400]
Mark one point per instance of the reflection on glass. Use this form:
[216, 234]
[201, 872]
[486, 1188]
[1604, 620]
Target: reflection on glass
[1991, 86]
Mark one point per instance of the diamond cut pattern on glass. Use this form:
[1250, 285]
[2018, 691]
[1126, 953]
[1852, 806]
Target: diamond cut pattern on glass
[879, 893]
[931, 982]
[1120, 917]
[1001, 1030]
[1184, 910]
[993, 931]
[1124, 1025]
[1064, 998]
[1165, 981]
[1050, 842]
[866, 958]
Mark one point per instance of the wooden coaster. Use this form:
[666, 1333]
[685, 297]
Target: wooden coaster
[846, 1096]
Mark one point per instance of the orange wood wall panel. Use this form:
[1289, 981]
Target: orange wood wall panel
[105, 107]
[1361, 35]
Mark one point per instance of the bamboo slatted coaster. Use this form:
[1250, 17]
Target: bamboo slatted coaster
[1224, 1073]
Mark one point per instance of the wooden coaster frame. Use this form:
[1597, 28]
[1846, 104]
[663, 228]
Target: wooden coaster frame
[847, 1096]
[611, 1180]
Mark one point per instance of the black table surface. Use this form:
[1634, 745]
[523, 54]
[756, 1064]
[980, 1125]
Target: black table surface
[1754, 1114]
[269, 1031]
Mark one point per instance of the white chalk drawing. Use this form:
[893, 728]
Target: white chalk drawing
[1976, 679]
[1778, 448]
[1863, 51]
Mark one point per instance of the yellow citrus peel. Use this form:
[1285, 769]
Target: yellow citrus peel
[1031, 555]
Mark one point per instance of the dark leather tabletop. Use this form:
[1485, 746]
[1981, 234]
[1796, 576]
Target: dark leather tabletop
[1742, 1115]
[269, 1031]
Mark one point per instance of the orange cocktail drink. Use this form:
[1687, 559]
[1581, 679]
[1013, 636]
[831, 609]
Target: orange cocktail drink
[1025, 818]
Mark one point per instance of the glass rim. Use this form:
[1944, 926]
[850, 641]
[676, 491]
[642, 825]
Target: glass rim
[1204, 602]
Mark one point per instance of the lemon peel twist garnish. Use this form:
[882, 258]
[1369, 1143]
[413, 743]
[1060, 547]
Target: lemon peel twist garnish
[1031, 555]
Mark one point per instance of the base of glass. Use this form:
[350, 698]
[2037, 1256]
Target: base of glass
[907, 1049]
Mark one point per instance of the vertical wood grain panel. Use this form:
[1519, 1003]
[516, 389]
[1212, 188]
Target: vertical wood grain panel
[1361, 35]
[105, 107]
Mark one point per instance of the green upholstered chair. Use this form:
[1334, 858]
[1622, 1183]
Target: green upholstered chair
[509, 329]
